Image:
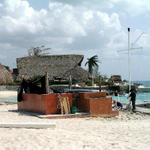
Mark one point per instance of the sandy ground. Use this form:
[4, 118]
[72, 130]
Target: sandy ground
[124, 132]
[4, 94]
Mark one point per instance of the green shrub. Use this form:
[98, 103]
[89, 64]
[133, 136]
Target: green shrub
[89, 83]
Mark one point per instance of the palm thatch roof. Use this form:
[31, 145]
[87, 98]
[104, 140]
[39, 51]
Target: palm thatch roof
[5, 75]
[116, 78]
[59, 66]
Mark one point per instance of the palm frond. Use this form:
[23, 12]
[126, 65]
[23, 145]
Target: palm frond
[92, 62]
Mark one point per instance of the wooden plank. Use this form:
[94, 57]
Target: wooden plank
[61, 106]
[68, 104]
[65, 106]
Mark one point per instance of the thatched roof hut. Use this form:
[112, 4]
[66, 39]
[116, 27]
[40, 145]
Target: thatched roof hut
[116, 78]
[57, 66]
[5, 75]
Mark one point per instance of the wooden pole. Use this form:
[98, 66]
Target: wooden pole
[99, 83]
[46, 83]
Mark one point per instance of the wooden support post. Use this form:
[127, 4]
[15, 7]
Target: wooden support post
[46, 83]
[99, 83]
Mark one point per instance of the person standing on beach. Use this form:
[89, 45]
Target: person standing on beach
[132, 98]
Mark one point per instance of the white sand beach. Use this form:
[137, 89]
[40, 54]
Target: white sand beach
[124, 132]
[4, 94]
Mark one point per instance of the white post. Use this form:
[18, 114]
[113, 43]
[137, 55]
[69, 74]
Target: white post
[129, 74]
[129, 49]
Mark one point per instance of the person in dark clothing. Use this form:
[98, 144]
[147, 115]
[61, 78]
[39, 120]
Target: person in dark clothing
[132, 98]
[117, 105]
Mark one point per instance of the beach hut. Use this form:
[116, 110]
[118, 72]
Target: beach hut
[116, 78]
[57, 66]
[5, 76]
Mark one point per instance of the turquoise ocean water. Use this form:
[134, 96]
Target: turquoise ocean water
[140, 97]
[145, 83]
[12, 99]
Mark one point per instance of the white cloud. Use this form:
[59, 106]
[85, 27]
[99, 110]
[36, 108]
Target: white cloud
[62, 21]
[98, 4]
[66, 29]
[61, 26]
[132, 7]
[17, 8]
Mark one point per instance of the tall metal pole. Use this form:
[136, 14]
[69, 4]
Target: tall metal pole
[129, 74]
[129, 49]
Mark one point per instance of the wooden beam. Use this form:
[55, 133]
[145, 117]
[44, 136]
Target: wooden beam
[46, 83]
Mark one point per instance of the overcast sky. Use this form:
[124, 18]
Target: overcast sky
[87, 27]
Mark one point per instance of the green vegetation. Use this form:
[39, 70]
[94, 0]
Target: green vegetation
[38, 51]
[7, 67]
[92, 67]
[132, 87]
[92, 62]
[89, 83]
[11, 84]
